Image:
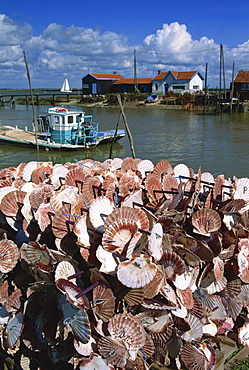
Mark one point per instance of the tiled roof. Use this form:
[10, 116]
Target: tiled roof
[106, 76]
[183, 75]
[242, 76]
[130, 81]
[160, 76]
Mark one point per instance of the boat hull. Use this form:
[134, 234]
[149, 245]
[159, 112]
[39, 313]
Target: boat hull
[18, 137]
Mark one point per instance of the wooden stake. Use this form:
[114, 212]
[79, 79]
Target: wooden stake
[115, 134]
[32, 99]
[127, 127]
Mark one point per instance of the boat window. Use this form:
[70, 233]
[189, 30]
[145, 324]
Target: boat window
[56, 119]
[70, 119]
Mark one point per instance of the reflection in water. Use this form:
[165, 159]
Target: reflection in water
[218, 143]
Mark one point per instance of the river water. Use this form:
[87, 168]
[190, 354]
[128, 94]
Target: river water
[218, 143]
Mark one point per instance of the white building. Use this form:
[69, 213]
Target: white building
[178, 82]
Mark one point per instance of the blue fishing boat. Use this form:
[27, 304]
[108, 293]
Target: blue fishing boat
[62, 129]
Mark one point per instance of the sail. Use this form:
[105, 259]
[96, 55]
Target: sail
[65, 87]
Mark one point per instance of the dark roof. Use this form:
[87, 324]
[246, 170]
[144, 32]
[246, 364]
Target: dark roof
[106, 76]
[242, 76]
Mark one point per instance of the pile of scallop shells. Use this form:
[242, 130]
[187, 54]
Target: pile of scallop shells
[123, 264]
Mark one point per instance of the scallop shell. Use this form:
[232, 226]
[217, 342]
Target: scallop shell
[13, 302]
[152, 289]
[155, 321]
[162, 167]
[38, 255]
[41, 173]
[63, 221]
[65, 195]
[129, 329]
[155, 240]
[242, 189]
[75, 177]
[187, 279]
[42, 216]
[80, 229]
[89, 190]
[80, 326]
[194, 358]
[13, 330]
[94, 362]
[9, 255]
[136, 272]
[28, 169]
[40, 195]
[206, 221]
[99, 209]
[128, 213]
[169, 186]
[181, 172]
[12, 203]
[186, 297]
[195, 331]
[103, 303]
[113, 352]
[244, 335]
[218, 268]
[57, 177]
[172, 265]
[145, 167]
[134, 297]
[4, 291]
[153, 186]
[63, 270]
[108, 262]
[234, 307]
[71, 290]
[128, 183]
[207, 181]
[128, 163]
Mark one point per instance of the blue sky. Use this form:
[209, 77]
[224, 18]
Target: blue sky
[71, 38]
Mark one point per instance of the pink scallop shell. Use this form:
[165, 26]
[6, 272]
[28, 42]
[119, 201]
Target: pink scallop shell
[9, 255]
[206, 221]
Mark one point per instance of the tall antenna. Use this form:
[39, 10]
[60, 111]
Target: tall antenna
[135, 72]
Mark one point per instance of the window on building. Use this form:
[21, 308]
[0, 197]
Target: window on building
[178, 87]
[156, 86]
[245, 86]
[70, 119]
[196, 87]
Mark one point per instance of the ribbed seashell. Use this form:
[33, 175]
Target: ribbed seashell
[155, 240]
[153, 186]
[99, 209]
[169, 293]
[218, 268]
[180, 311]
[206, 221]
[28, 169]
[75, 177]
[233, 288]
[197, 309]
[38, 255]
[4, 291]
[112, 164]
[155, 321]
[207, 181]
[128, 163]
[218, 187]
[6, 190]
[80, 326]
[41, 173]
[128, 183]
[243, 295]
[103, 303]
[134, 214]
[90, 190]
[18, 183]
[187, 279]
[172, 265]
[243, 335]
[40, 195]
[63, 270]
[189, 257]
[109, 178]
[94, 362]
[153, 288]
[71, 290]
[108, 262]
[137, 272]
[122, 233]
[135, 197]
[217, 286]
[80, 229]
[134, 297]
[195, 331]
[57, 177]
[6, 182]
[65, 195]
[186, 297]
[162, 167]
[9, 255]
[234, 307]
[169, 185]
[13, 302]
[129, 330]
[114, 352]
[181, 172]
[195, 359]
[13, 330]
[242, 189]
[145, 166]
[12, 203]
[63, 221]
[42, 216]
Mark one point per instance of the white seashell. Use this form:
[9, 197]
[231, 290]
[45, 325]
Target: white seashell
[63, 270]
[99, 209]
[181, 170]
[80, 229]
[210, 329]
[217, 286]
[187, 279]
[155, 242]
[85, 350]
[145, 166]
[58, 175]
[5, 190]
[242, 189]
[195, 331]
[108, 262]
[28, 169]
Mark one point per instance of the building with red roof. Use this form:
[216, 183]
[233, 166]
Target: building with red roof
[99, 83]
[178, 82]
[241, 85]
[144, 85]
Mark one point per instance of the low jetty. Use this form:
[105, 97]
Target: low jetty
[122, 264]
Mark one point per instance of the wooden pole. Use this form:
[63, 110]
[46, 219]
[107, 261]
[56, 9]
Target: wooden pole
[127, 127]
[232, 88]
[116, 130]
[205, 97]
[32, 99]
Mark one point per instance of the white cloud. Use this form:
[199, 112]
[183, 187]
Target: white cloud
[73, 51]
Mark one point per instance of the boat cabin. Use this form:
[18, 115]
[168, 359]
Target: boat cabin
[67, 126]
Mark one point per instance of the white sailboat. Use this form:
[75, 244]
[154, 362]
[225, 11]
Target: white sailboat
[65, 87]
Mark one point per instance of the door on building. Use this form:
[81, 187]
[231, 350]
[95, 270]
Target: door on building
[166, 87]
[94, 88]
